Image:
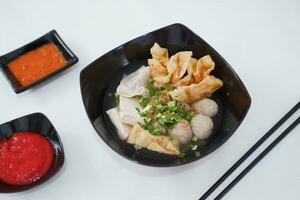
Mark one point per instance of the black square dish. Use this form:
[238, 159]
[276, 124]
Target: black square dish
[51, 37]
[39, 123]
[102, 76]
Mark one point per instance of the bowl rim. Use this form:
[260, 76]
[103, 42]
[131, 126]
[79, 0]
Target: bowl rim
[35, 184]
[198, 38]
[64, 48]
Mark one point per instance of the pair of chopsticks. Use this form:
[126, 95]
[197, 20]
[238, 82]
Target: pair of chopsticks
[250, 151]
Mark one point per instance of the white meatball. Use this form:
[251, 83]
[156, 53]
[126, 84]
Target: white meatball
[202, 126]
[182, 131]
[206, 107]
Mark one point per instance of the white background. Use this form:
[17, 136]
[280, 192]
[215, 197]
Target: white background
[260, 39]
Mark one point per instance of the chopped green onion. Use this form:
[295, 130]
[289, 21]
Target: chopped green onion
[178, 103]
[171, 103]
[169, 117]
[172, 106]
[145, 120]
[144, 101]
[152, 130]
[197, 154]
[193, 147]
[188, 116]
[167, 114]
[161, 121]
[147, 108]
[194, 138]
[167, 87]
[116, 99]
[181, 155]
[157, 93]
[153, 91]
[158, 115]
[159, 106]
[155, 131]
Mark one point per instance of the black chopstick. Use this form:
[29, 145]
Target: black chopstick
[258, 158]
[250, 151]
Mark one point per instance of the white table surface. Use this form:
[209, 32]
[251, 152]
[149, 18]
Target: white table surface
[260, 39]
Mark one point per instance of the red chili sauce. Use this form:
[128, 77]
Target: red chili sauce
[36, 64]
[24, 158]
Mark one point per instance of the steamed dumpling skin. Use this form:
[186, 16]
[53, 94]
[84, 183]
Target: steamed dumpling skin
[182, 131]
[162, 144]
[202, 126]
[206, 107]
[122, 129]
[127, 111]
[135, 83]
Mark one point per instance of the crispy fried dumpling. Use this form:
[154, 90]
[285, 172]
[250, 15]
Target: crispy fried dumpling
[181, 69]
[157, 69]
[176, 68]
[171, 69]
[160, 54]
[162, 144]
[193, 92]
[135, 83]
[122, 129]
[203, 68]
[182, 62]
[127, 111]
[188, 79]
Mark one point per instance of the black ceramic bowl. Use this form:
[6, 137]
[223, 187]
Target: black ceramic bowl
[39, 123]
[52, 37]
[102, 76]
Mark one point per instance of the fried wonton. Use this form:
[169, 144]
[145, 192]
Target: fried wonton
[162, 144]
[176, 68]
[181, 62]
[193, 92]
[160, 54]
[157, 69]
[166, 78]
[190, 77]
[203, 68]
[159, 61]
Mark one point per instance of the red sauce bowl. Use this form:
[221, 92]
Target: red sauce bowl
[40, 124]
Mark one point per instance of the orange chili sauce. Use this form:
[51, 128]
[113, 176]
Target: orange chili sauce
[36, 64]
